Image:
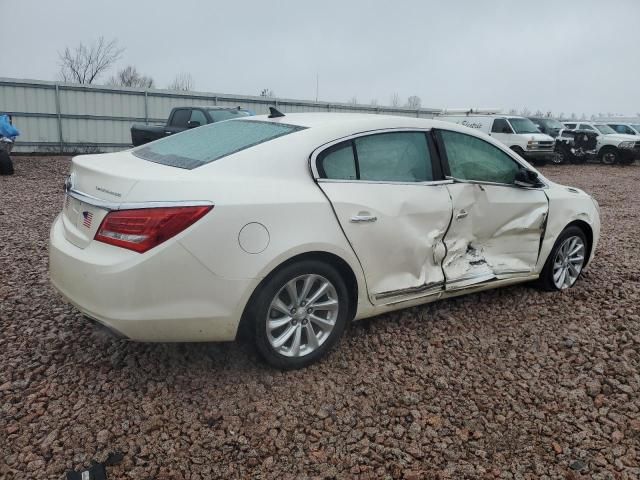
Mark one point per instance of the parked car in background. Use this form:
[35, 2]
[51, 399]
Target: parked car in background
[518, 133]
[625, 128]
[611, 147]
[183, 118]
[287, 227]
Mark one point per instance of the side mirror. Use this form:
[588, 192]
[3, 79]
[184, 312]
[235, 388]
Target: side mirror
[193, 124]
[527, 178]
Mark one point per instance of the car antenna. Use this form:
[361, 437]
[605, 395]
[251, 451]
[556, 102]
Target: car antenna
[275, 113]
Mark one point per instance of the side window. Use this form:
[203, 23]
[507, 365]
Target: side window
[471, 158]
[500, 125]
[338, 162]
[198, 116]
[584, 126]
[180, 118]
[572, 126]
[394, 157]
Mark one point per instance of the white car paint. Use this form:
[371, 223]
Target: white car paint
[529, 143]
[270, 206]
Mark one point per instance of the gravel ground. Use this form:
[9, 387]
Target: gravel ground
[513, 383]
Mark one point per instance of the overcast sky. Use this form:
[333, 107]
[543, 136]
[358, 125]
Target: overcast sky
[565, 56]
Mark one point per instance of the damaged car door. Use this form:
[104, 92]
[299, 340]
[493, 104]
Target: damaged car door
[389, 196]
[496, 226]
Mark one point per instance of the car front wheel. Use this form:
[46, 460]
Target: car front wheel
[609, 156]
[566, 260]
[300, 313]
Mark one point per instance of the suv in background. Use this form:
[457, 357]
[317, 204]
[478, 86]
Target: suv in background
[611, 147]
[625, 128]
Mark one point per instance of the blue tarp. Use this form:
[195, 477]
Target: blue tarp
[6, 129]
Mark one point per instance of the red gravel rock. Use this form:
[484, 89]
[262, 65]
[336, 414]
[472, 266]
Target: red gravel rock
[511, 383]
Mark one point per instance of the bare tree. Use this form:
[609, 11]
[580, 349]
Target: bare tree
[374, 102]
[549, 114]
[583, 117]
[183, 82]
[353, 100]
[267, 92]
[130, 77]
[414, 102]
[573, 116]
[513, 111]
[395, 100]
[84, 64]
[560, 115]
[539, 113]
[525, 112]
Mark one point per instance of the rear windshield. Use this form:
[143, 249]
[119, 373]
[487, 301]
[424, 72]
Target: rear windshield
[202, 145]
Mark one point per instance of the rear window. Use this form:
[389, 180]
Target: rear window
[206, 144]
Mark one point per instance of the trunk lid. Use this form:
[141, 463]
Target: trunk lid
[103, 182]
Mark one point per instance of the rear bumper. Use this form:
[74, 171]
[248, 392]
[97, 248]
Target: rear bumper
[164, 295]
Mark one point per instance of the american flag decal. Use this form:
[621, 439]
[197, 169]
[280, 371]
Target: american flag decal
[86, 219]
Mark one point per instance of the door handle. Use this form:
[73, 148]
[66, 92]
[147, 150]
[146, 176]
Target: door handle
[461, 214]
[363, 219]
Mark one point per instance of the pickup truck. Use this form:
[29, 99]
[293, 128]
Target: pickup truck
[182, 118]
[611, 147]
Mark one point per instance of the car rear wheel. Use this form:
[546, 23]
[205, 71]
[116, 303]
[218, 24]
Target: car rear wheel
[300, 314]
[566, 260]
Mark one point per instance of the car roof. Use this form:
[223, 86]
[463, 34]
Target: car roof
[325, 127]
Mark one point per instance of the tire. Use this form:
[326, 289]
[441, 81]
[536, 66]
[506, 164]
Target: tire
[568, 240]
[609, 155]
[558, 158]
[6, 165]
[285, 339]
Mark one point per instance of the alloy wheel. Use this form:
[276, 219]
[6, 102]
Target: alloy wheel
[302, 315]
[568, 262]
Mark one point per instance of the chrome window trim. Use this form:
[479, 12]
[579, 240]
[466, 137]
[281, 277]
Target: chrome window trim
[109, 206]
[429, 183]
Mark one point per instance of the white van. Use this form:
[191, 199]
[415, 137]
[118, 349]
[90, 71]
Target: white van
[518, 133]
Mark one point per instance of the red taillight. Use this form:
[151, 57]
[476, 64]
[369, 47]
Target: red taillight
[145, 228]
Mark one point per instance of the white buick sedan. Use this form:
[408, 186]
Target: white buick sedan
[290, 226]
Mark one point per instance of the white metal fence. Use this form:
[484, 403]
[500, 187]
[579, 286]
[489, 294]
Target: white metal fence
[66, 118]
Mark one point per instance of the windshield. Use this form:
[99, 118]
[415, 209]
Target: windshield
[199, 146]
[220, 115]
[523, 125]
[551, 123]
[605, 129]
